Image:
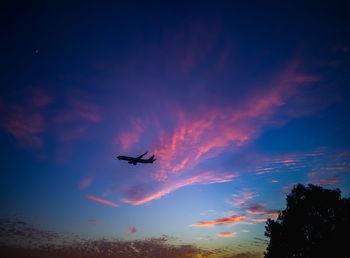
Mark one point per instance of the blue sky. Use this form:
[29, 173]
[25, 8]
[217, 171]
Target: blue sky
[238, 102]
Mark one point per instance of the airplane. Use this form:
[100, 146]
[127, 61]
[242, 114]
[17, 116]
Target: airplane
[138, 159]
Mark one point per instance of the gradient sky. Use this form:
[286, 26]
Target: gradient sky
[238, 101]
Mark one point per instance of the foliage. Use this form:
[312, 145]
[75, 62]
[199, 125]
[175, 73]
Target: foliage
[315, 223]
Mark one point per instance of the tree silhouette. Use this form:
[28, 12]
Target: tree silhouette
[315, 223]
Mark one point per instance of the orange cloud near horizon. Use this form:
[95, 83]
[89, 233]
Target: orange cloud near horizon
[226, 234]
[271, 213]
[131, 230]
[101, 200]
[235, 219]
[259, 220]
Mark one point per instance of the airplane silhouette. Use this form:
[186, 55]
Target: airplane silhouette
[138, 159]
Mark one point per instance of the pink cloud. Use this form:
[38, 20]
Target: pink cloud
[39, 98]
[325, 176]
[74, 120]
[85, 183]
[226, 234]
[213, 129]
[242, 198]
[264, 171]
[102, 200]
[287, 188]
[202, 178]
[25, 120]
[127, 139]
[205, 131]
[26, 127]
[334, 180]
[79, 109]
[306, 78]
[245, 230]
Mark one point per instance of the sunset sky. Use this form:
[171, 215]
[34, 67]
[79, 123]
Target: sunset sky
[238, 101]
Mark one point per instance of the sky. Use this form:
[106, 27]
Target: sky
[238, 101]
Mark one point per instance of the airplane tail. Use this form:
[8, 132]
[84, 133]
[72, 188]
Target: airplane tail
[151, 159]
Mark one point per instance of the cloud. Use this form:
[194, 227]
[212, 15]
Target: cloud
[74, 120]
[254, 207]
[20, 239]
[131, 137]
[334, 180]
[208, 177]
[189, 135]
[245, 230]
[205, 132]
[264, 171]
[131, 230]
[79, 109]
[30, 118]
[101, 200]
[259, 220]
[16, 230]
[26, 120]
[226, 234]
[326, 177]
[243, 202]
[271, 213]
[306, 78]
[242, 198]
[26, 127]
[235, 219]
[85, 183]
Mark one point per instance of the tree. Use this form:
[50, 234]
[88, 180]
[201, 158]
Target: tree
[315, 223]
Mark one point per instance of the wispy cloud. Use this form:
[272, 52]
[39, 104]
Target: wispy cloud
[85, 183]
[325, 177]
[102, 200]
[226, 234]
[259, 220]
[208, 177]
[271, 213]
[235, 219]
[74, 120]
[127, 139]
[26, 120]
[215, 128]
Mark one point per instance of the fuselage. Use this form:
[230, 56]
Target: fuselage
[136, 160]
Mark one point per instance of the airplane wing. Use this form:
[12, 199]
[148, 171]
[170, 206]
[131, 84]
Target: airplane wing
[139, 157]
